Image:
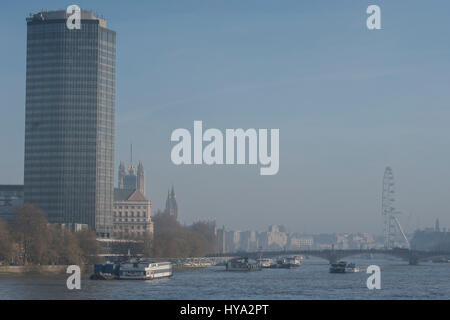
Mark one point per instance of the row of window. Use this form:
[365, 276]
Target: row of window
[131, 220]
[144, 214]
[138, 227]
[132, 207]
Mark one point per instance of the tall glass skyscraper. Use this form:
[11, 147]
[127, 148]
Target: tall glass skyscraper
[69, 125]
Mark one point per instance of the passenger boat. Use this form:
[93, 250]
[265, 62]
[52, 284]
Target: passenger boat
[107, 271]
[338, 267]
[351, 267]
[145, 271]
[288, 263]
[440, 260]
[296, 260]
[265, 262]
[343, 267]
[242, 264]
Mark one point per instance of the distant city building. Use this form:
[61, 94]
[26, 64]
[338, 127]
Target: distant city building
[362, 241]
[431, 239]
[11, 196]
[324, 240]
[211, 223]
[276, 237]
[248, 241]
[133, 179]
[436, 226]
[342, 241]
[132, 213]
[221, 242]
[300, 242]
[69, 119]
[171, 203]
[232, 239]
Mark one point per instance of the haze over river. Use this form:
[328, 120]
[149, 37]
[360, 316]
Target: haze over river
[312, 281]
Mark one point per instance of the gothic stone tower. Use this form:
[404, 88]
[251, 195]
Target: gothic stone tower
[140, 178]
[121, 174]
[171, 203]
[131, 179]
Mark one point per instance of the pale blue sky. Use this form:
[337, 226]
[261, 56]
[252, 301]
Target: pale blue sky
[348, 102]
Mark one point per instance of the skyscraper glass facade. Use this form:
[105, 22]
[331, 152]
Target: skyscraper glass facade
[69, 126]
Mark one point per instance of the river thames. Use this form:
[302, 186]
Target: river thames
[312, 281]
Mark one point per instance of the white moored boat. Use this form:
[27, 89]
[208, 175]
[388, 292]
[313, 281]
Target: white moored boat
[265, 262]
[145, 271]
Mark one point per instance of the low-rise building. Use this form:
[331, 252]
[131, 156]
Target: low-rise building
[298, 242]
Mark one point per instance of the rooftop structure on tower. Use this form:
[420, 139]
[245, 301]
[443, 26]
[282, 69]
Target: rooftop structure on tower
[132, 178]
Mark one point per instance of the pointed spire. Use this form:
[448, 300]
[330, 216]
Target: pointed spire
[121, 174]
[131, 170]
[131, 153]
[171, 203]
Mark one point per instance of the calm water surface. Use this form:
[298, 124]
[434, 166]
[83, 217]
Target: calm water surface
[312, 281]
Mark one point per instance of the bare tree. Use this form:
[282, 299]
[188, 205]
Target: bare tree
[171, 239]
[89, 246]
[64, 247]
[6, 245]
[30, 229]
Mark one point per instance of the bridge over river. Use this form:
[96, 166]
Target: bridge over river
[334, 255]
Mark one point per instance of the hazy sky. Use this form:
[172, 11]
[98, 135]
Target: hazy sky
[348, 102]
